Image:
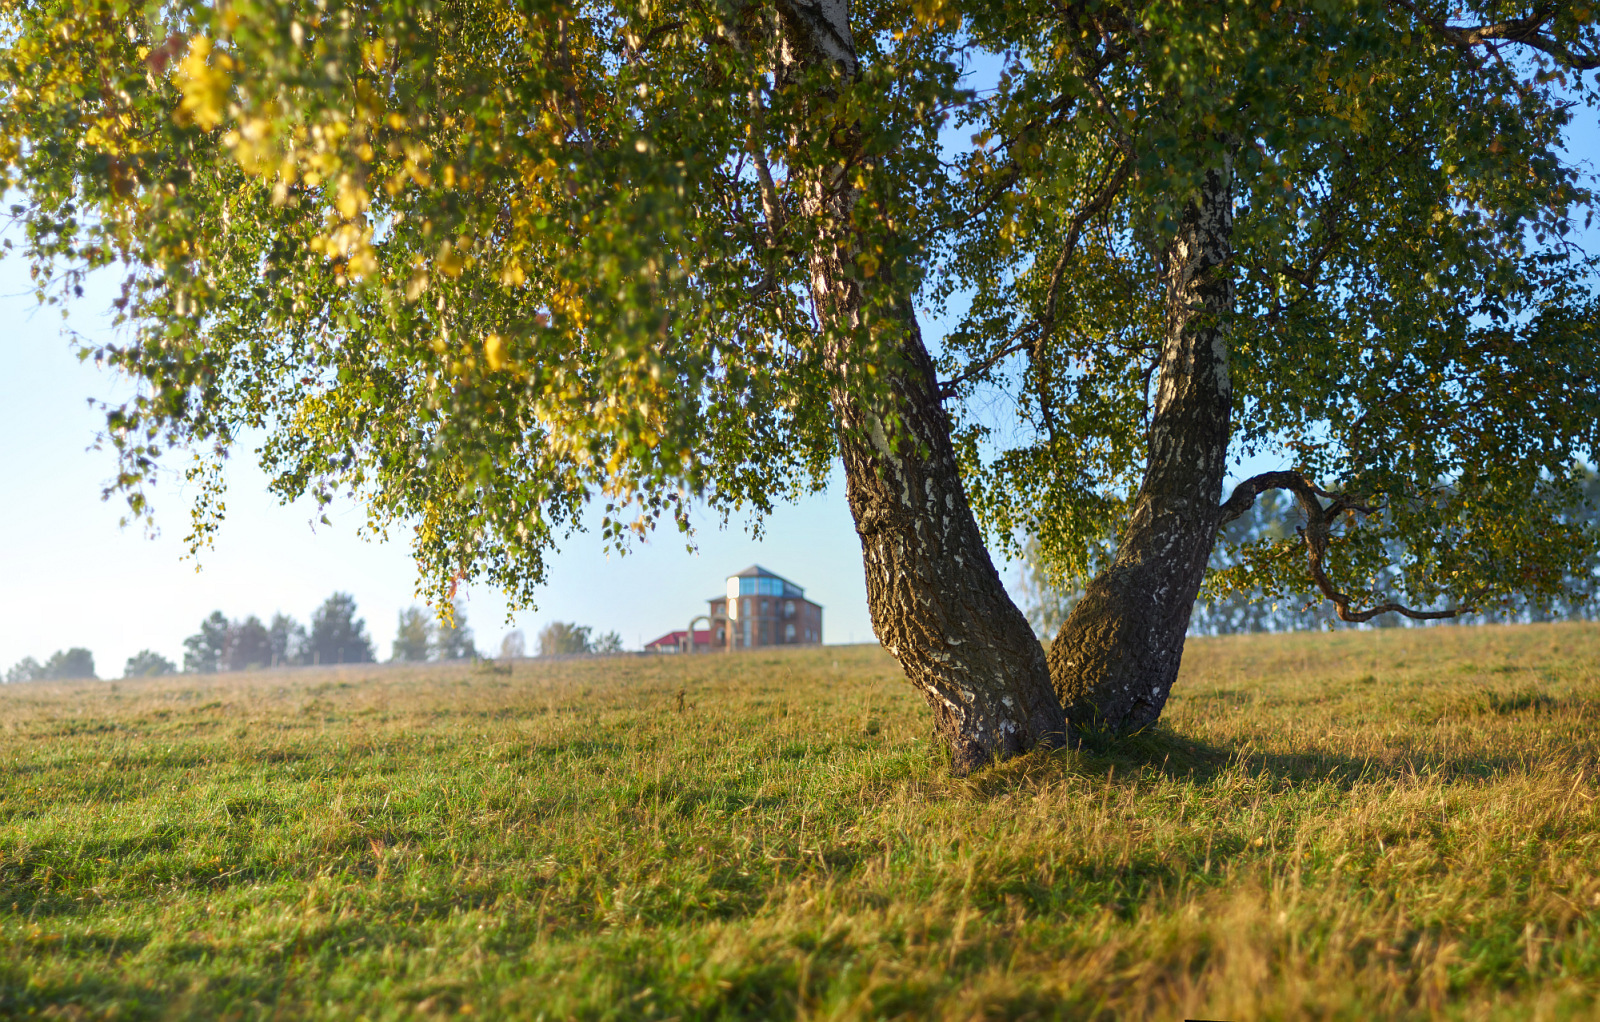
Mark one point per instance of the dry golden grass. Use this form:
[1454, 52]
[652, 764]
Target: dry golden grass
[1392, 824]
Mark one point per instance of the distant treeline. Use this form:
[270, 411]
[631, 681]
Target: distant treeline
[66, 664]
[336, 636]
[564, 638]
[423, 635]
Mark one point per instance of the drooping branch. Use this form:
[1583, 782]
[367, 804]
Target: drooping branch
[1043, 326]
[1011, 171]
[1319, 521]
[948, 387]
[755, 138]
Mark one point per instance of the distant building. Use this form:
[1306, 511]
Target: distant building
[764, 609]
[678, 641]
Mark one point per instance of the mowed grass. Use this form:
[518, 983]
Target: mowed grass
[1391, 824]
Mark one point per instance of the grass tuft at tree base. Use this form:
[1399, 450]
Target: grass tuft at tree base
[1381, 824]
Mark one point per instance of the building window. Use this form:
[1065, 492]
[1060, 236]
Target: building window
[788, 609]
[788, 632]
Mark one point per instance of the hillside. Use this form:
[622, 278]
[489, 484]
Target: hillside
[1384, 824]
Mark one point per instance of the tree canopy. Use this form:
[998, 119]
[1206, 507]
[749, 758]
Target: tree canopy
[478, 264]
[481, 263]
[147, 663]
[1414, 325]
[336, 635]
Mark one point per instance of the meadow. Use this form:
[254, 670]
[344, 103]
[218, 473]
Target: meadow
[1358, 825]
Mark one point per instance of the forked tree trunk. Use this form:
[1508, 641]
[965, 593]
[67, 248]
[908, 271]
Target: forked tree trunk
[1116, 657]
[937, 602]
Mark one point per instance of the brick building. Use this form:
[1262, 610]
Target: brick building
[763, 609]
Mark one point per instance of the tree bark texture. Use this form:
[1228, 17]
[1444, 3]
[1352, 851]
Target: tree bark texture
[937, 603]
[1115, 659]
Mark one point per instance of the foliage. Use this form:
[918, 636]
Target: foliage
[560, 638]
[514, 646]
[1365, 825]
[606, 644]
[452, 638]
[205, 652]
[483, 264]
[337, 636]
[63, 665]
[286, 639]
[413, 637]
[1227, 608]
[1414, 326]
[478, 265]
[1239, 598]
[147, 663]
[26, 669]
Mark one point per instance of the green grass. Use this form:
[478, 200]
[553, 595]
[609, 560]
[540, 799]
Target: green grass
[1394, 824]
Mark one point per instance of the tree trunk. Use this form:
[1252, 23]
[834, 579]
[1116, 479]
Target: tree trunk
[937, 602]
[1115, 659]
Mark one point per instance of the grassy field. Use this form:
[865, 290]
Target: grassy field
[1394, 824]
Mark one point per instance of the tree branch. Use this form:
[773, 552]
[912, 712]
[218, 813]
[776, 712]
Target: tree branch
[1517, 30]
[1012, 170]
[948, 387]
[755, 132]
[1046, 324]
[1319, 519]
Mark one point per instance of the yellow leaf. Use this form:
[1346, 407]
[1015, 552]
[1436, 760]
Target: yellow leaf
[363, 261]
[494, 352]
[204, 83]
[449, 260]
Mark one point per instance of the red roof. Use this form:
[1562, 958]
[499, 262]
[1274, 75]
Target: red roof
[702, 637]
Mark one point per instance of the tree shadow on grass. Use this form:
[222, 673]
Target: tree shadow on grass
[1165, 752]
[22, 996]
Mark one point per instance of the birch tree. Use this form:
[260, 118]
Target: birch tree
[485, 265]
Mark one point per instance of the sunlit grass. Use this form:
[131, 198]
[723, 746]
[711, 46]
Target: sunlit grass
[1393, 824]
